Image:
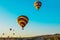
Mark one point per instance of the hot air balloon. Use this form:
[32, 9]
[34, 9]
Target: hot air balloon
[22, 21]
[13, 33]
[37, 4]
[3, 33]
[10, 29]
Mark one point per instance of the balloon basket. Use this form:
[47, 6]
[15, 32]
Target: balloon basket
[22, 28]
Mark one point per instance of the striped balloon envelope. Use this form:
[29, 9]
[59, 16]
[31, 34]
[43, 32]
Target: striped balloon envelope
[37, 4]
[22, 21]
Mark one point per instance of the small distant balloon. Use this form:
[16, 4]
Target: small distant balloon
[3, 33]
[37, 4]
[10, 29]
[13, 33]
[22, 21]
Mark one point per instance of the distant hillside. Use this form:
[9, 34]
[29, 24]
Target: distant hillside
[43, 37]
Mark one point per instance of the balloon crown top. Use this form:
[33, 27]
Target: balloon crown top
[38, 1]
[23, 16]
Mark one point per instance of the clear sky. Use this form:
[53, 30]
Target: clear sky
[44, 21]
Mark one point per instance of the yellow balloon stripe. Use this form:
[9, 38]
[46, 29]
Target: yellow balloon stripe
[22, 21]
[22, 25]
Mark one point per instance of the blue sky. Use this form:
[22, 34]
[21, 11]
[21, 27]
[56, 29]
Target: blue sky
[44, 21]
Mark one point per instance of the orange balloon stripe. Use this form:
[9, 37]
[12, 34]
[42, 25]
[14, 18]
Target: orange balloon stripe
[23, 18]
[22, 25]
[22, 21]
[37, 4]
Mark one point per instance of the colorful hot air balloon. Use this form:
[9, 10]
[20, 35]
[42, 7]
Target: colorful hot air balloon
[22, 21]
[37, 5]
